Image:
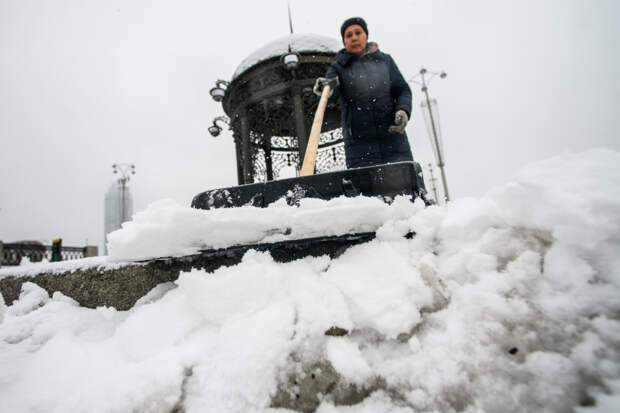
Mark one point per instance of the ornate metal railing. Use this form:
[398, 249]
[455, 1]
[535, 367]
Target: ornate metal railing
[13, 253]
[284, 154]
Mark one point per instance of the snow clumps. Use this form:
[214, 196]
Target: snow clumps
[506, 303]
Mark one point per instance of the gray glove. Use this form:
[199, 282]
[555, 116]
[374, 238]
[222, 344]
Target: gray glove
[400, 122]
[321, 82]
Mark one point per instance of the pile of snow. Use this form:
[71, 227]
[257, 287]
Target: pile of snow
[166, 228]
[505, 303]
[298, 42]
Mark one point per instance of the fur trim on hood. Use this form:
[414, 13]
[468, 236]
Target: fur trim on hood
[343, 56]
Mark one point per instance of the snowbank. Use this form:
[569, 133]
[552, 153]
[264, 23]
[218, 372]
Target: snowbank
[505, 303]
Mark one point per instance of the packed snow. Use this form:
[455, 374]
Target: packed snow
[298, 42]
[29, 269]
[166, 228]
[505, 303]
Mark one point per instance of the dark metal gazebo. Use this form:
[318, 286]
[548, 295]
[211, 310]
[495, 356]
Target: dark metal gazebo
[270, 108]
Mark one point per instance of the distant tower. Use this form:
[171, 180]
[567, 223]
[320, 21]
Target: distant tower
[118, 201]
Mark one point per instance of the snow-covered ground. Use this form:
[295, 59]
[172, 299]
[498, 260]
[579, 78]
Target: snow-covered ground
[29, 269]
[509, 302]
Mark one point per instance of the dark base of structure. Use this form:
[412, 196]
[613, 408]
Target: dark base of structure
[386, 181]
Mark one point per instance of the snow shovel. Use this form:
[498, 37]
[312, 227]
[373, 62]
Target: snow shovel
[307, 168]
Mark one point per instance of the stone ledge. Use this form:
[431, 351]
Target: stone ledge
[122, 287]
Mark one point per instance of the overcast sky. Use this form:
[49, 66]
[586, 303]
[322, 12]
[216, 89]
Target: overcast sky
[85, 84]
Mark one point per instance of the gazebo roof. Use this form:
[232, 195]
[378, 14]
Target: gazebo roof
[299, 42]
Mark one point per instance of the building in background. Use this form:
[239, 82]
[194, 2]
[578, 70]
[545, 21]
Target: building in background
[118, 202]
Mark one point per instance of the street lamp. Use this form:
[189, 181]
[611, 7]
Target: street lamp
[432, 124]
[124, 169]
[219, 91]
[290, 60]
[216, 129]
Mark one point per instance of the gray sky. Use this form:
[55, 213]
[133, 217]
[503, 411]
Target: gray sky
[85, 84]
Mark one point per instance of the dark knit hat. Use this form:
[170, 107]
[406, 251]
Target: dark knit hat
[352, 21]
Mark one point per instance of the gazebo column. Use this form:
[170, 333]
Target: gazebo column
[267, 143]
[300, 126]
[239, 153]
[268, 161]
[248, 170]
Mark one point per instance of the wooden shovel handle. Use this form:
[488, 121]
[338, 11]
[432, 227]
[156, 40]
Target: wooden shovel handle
[307, 167]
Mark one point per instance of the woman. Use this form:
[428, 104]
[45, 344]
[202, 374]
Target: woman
[375, 99]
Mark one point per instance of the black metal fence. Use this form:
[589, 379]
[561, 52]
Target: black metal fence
[13, 253]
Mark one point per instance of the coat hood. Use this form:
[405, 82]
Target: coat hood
[343, 57]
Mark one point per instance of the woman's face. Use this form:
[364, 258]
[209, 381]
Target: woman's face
[355, 39]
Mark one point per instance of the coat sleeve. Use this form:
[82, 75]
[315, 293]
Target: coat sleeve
[401, 92]
[331, 73]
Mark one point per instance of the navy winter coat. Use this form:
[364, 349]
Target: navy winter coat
[371, 90]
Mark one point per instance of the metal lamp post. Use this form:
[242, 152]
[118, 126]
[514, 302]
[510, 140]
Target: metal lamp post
[125, 170]
[434, 126]
[433, 180]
